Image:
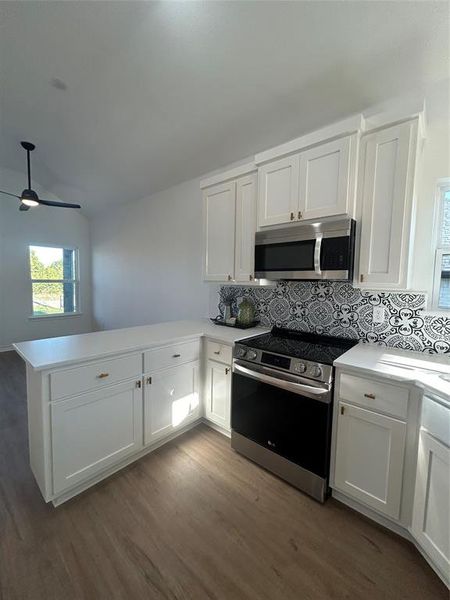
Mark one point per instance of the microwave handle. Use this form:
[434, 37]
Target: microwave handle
[317, 250]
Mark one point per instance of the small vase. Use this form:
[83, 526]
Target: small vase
[246, 312]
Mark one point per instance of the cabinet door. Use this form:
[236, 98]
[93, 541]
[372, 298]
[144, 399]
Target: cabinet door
[171, 401]
[94, 431]
[325, 187]
[278, 191]
[218, 393]
[386, 190]
[245, 228]
[219, 208]
[369, 458]
[431, 516]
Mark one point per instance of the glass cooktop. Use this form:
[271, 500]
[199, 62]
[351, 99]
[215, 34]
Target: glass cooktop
[299, 344]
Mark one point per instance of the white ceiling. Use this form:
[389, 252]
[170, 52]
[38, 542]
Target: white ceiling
[160, 92]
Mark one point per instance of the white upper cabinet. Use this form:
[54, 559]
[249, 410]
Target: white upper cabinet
[325, 186]
[278, 191]
[315, 183]
[229, 228]
[219, 210]
[245, 227]
[386, 187]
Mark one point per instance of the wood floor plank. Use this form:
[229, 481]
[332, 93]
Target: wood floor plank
[191, 521]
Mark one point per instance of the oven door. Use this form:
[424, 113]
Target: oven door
[285, 414]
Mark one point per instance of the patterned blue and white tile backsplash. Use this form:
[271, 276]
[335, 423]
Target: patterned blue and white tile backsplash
[341, 310]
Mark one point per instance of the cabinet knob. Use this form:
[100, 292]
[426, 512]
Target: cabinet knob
[102, 375]
[292, 216]
[370, 396]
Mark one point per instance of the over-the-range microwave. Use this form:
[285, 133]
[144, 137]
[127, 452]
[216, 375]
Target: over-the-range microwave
[309, 251]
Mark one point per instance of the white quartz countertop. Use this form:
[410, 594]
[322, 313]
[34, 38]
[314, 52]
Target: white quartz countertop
[424, 370]
[56, 352]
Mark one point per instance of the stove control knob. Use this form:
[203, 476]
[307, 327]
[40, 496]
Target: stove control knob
[251, 354]
[300, 368]
[241, 352]
[317, 371]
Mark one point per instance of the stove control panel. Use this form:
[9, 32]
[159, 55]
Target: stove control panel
[281, 362]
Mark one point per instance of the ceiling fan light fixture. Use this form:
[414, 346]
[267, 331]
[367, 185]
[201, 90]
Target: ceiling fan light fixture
[29, 198]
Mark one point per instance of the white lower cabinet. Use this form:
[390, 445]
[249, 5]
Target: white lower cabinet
[93, 431]
[218, 393]
[171, 401]
[431, 516]
[370, 450]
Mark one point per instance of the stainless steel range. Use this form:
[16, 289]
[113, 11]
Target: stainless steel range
[281, 404]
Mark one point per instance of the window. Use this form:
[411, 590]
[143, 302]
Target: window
[441, 286]
[54, 280]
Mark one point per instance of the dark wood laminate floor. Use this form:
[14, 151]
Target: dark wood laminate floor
[194, 521]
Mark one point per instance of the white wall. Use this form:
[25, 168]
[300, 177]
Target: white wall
[147, 260]
[41, 225]
[147, 255]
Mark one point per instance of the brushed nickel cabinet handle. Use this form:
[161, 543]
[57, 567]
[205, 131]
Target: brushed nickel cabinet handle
[149, 380]
[342, 410]
[102, 375]
[229, 278]
[138, 384]
[300, 216]
[176, 355]
[361, 278]
[227, 370]
[292, 216]
[370, 396]
[250, 277]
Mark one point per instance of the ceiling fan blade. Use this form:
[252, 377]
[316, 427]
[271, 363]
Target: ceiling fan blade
[23, 207]
[8, 194]
[60, 204]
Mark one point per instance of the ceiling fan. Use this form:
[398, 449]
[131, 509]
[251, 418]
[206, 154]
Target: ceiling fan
[29, 197]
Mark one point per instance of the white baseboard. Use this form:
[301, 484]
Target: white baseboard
[58, 499]
[371, 514]
[218, 428]
[395, 527]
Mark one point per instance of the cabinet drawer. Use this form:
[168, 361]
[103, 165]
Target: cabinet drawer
[170, 356]
[374, 395]
[71, 382]
[219, 352]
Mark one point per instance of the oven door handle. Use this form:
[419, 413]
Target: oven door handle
[317, 393]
